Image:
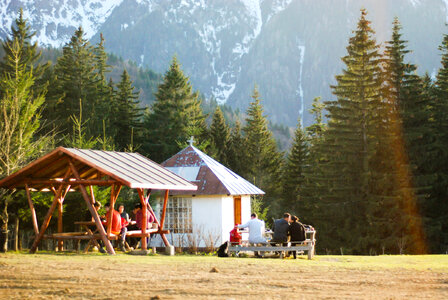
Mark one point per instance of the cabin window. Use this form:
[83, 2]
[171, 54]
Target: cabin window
[178, 215]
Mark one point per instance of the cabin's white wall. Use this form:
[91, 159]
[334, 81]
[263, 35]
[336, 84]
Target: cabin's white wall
[212, 217]
[207, 218]
[245, 208]
[228, 218]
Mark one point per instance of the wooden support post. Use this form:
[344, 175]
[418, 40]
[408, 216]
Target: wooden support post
[33, 211]
[60, 241]
[67, 189]
[165, 201]
[144, 202]
[165, 240]
[110, 214]
[115, 190]
[93, 212]
[49, 214]
[60, 210]
[92, 195]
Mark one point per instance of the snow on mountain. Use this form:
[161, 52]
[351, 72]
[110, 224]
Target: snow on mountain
[446, 9]
[54, 20]
[290, 48]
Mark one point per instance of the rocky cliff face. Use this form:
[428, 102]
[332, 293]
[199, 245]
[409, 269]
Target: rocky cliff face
[290, 48]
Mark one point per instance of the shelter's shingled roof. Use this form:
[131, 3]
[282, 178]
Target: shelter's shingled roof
[211, 177]
[130, 169]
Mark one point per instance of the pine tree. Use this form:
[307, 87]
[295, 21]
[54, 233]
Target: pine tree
[439, 164]
[220, 136]
[197, 128]
[127, 115]
[101, 65]
[105, 102]
[20, 110]
[316, 130]
[235, 151]
[293, 172]
[348, 186]
[77, 79]
[262, 161]
[174, 115]
[402, 94]
[21, 33]
[312, 191]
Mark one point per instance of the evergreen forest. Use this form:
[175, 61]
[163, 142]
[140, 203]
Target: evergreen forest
[370, 174]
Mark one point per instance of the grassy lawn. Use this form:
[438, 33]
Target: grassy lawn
[78, 276]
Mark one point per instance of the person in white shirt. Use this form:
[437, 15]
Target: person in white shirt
[256, 230]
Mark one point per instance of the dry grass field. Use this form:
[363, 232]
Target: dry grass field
[95, 276]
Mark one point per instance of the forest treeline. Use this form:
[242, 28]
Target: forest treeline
[372, 179]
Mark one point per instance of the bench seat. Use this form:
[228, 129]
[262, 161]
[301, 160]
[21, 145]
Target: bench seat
[138, 233]
[307, 245]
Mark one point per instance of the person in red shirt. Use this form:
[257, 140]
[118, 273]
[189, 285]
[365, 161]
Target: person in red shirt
[116, 227]
[139, 219]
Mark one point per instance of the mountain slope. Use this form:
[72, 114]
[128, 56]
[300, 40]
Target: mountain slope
[290, 48]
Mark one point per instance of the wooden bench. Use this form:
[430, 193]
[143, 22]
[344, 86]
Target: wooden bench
[306, 246]
[88, 234]
[97, 236]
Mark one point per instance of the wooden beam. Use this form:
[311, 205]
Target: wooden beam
[60, 211]
[49, 214]
[165, 202]
[93, 212]
[151, 211]
[33, 211]
[67, 189]
[75, 182]
[110, 212]
[144, 202]
[114, 191]
[92, 195]
[60, 241]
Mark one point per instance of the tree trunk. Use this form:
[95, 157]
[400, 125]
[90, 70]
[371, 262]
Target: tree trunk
[4, 228]
[16, 234]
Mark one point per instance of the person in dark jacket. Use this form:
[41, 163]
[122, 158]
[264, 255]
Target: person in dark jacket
[296, 231]
[280, 229]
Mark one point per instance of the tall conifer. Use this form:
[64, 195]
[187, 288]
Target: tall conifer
[351, 140]
[262, 161]
[77, 79]
[235, 153]
[220, 136]
[440, 162]
[173, 117]
[21, 33]
[127, 115]
[402, 97]
[293, 171]
[20, 111]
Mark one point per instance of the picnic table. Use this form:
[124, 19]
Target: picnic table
[87, 233]
[307, 245]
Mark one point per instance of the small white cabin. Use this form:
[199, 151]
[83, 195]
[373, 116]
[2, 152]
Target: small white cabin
[204, 217]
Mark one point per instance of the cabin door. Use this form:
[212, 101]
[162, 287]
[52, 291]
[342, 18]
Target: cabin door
[237, 209]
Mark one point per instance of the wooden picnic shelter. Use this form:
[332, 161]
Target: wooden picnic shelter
[68, 169]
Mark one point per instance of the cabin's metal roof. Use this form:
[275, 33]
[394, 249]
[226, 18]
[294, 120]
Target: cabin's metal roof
[212, 177]
[130, 169]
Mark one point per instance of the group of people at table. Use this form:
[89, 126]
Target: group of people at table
[287, 229]
[121, 223]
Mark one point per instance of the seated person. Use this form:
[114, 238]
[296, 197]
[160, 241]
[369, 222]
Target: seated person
[139, 218]
[256, 229]
[280, 229]
[133, 225]
[116, 227]
[124, 215]
[97, 207]
[296, 231]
